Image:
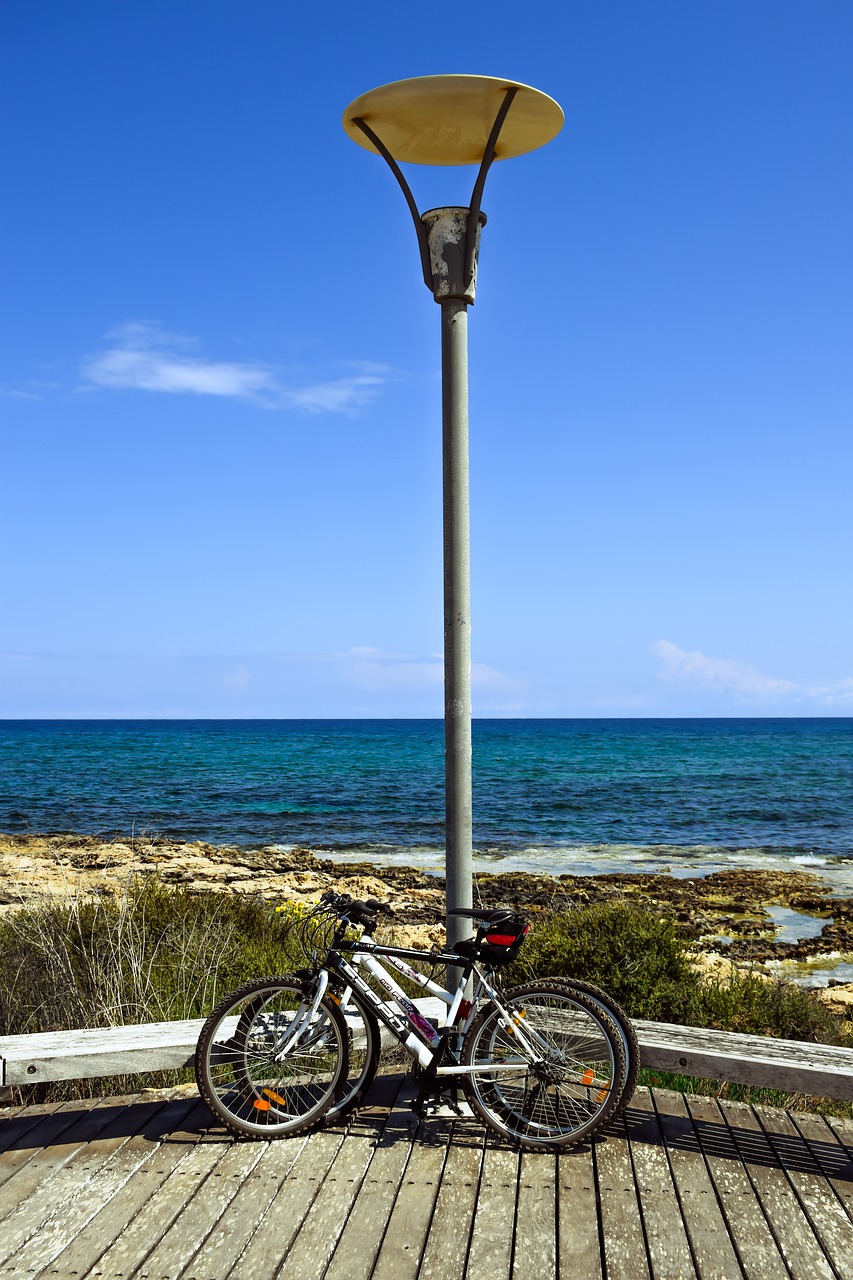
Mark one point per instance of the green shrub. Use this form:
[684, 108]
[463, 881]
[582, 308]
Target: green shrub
[644, 961]
[637, 955]
[749, 1002]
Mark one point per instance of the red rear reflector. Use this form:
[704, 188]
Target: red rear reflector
[502, 939]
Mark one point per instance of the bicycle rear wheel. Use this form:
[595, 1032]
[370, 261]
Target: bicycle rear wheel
[626, 1032]
[363, 1044]
[549, 1071]
[255, 1074]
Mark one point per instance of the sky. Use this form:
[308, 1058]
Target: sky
[220, 369]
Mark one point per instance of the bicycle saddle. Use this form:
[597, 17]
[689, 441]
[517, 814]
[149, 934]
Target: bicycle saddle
[498, 916]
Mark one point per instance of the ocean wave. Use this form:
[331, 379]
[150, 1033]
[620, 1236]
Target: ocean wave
[681, 861]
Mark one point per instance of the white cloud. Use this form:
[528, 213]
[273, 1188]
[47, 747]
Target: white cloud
[697, 669]
[15, 393]
[340, 396]
[144, 357]
[369, 668]
[834, 695]
[489, 680]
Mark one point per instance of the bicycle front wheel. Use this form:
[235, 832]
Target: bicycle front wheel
[549, 1066]
[266, 1068]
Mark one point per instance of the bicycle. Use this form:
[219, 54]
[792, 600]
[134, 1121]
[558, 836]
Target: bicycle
[543, 1065]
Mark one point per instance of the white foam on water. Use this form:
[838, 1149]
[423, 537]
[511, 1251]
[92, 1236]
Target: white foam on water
[681, 861]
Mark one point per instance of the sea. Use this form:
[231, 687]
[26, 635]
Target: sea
[559, 796]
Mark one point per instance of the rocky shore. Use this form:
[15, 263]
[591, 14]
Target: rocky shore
[727, 913]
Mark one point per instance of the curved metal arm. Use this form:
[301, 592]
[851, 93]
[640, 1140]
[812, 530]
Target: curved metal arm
[476, 194]
[420, 229]
[479, 184]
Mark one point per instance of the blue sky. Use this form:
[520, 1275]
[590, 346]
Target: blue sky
[220, 367]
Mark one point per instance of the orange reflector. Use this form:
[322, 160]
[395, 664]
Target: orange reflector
[602, 1095]
[588, 1076]
[276, 1097]
[261, 1104]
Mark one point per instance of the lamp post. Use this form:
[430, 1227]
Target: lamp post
[453, 120]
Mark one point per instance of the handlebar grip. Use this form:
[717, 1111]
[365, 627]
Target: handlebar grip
[374, 905]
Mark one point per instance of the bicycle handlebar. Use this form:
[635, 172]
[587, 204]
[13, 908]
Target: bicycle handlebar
[363, 912]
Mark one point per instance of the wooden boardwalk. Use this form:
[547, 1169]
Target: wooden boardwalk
[683, 1187]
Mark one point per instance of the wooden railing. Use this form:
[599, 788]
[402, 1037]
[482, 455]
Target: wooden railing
[790, 1065]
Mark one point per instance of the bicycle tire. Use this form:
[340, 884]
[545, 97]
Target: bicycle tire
[544, 1104]
[626, 1031]
[364, 1041]
[254, 1090]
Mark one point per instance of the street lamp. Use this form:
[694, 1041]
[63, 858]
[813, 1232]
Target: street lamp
[453, 120]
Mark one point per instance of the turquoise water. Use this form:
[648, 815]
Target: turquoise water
[555, 795]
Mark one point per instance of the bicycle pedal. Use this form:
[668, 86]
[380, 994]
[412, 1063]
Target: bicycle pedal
[447, 1109]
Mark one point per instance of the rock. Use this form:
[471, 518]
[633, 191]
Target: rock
[838, 998]
[727, 904]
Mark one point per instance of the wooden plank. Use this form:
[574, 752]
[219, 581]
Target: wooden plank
[666, 1237]
[201, 1212]
[843, 1130]
[358, 1246]
[535, 1248]
[247, 1210]
[446, 1251]
[834, 1159]
[402, 1248]
[757, 1060]
[791, 1229]
[267, 1249]
[58, 1192]
[580, 1247]
[16, 1123]
[827, 1215]
[105, 1051]
[319, 1234]
[707, 1230]
[621, 1222]
[167, 1198]
[83, 1189]
[757, 1249]
[47, 1130]
[38, 1171]
[82, 1253]
[490, 1252]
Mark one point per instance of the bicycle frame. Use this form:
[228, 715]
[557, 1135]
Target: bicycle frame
[416, 1033]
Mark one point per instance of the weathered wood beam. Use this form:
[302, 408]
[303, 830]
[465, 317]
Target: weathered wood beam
[789, 1065]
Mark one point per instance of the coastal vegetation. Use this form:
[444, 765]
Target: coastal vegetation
[153, 952]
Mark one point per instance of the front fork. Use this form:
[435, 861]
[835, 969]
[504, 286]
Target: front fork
[305, 1014]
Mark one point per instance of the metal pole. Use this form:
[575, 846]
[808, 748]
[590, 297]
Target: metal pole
[454, 287]
[457, 614]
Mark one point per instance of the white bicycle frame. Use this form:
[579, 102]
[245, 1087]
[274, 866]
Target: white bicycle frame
[453, 999]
